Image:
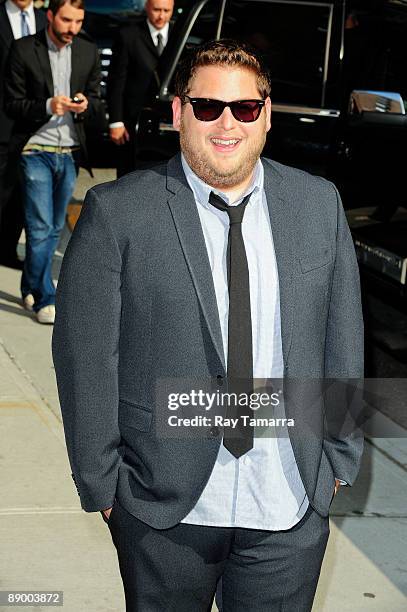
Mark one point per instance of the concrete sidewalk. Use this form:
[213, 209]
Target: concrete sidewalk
[48, 543]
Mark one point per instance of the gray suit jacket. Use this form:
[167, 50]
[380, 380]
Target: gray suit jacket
[136, 303]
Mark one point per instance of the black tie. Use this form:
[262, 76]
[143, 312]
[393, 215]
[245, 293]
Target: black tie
[160, 45]
[240, 352]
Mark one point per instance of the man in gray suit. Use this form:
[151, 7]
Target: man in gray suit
[218, 266]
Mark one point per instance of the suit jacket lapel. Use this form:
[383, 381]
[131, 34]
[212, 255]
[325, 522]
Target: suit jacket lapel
[40, 20]
[6, 32]
[41, 49]
[75, 67]
[282, 225]
[148, 40]
[188, 226]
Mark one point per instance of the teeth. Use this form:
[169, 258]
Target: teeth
[224, 142]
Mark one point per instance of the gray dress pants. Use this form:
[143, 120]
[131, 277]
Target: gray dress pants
[178, 569]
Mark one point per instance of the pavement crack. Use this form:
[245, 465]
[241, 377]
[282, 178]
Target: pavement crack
[358, 514]
[403, 466]
[28, 378]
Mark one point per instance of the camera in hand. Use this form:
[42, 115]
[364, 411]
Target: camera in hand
[76, 100]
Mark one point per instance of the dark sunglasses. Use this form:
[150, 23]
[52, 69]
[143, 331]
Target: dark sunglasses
[206, 109]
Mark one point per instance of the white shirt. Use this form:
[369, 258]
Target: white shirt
[154, 33]
[14, 16]
[262, 489]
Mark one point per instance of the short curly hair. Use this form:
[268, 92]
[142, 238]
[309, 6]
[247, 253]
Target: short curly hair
[225, 52]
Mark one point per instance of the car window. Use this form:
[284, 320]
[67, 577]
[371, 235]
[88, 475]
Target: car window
[292, 38]
[375, 50]
[200, 28]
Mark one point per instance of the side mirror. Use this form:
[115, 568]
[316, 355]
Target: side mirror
[381, 102]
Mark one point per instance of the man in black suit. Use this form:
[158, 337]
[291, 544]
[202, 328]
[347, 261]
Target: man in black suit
[134, 60]
[18, 18]
[52, 82]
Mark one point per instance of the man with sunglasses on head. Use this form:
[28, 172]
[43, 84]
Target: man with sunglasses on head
[225, 266]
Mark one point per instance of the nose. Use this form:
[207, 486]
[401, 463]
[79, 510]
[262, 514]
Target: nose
[226, 120]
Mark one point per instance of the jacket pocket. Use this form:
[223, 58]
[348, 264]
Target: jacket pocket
[316, 260]
[135, 416]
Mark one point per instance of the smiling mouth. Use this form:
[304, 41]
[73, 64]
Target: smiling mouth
[225, 144]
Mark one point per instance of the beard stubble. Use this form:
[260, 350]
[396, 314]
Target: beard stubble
[204, 167]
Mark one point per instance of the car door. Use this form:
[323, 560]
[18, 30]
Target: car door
[300, 43]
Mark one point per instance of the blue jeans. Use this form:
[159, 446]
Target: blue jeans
[48, 183]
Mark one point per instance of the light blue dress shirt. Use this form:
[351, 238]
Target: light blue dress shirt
[263, 488]
[59, 130]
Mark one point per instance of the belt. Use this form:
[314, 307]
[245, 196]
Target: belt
[48, 148]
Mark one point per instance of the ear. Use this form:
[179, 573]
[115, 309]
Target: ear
[267, 108]
[50, 16]
[176, 112]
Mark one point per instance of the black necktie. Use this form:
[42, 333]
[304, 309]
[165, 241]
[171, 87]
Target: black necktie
[240, 352]
[160, 45]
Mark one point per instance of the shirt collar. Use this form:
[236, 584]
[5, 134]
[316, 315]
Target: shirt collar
[14, 9]
[154, 31]
[202, 190]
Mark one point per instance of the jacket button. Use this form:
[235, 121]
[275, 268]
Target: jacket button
[213, 432]
[219, 378]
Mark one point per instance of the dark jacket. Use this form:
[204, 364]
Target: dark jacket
[132, 69]
[6, 38]
[29, 84]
